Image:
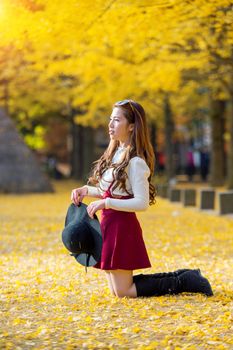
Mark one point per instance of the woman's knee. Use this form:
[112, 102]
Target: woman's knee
[125, 291]
[122, 282]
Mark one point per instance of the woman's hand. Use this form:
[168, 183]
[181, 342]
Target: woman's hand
[78, 194]
[93, 207]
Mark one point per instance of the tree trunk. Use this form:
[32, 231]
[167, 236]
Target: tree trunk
[88, 151]
[230, 147]
[82, 154]
[77, 151]
[217, 170]
[153, 137]
[169, 129]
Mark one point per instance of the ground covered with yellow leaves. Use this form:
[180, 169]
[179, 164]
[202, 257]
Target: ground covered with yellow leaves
[49, 302]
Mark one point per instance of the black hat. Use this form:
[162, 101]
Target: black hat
[82, 235]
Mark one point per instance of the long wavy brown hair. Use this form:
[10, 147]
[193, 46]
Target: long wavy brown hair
[139, 146]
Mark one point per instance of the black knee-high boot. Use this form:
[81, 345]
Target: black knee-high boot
[166, 274]
[189, 281]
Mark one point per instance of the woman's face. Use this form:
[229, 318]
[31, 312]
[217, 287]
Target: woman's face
[119, 127]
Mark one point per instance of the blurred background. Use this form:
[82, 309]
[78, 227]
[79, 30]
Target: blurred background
[64, 63]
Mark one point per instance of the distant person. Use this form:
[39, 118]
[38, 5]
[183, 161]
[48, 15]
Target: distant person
[52, 168]
[196, 159]
[190, 166]
[122, 179]
[161, 162]
[204, 163]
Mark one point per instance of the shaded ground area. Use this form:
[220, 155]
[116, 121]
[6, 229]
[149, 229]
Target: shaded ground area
[49, 302]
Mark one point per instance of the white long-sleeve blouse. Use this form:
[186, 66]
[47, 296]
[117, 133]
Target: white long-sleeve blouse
[137, 185]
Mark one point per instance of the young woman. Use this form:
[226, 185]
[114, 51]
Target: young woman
[122, 179]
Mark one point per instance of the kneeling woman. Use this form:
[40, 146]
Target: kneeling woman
[122, 179]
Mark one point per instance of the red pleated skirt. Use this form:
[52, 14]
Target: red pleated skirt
[123, 244]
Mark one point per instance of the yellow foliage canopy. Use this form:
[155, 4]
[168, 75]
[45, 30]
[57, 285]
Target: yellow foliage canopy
[113, 50]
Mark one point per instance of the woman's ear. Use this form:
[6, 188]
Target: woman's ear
[131, 127]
